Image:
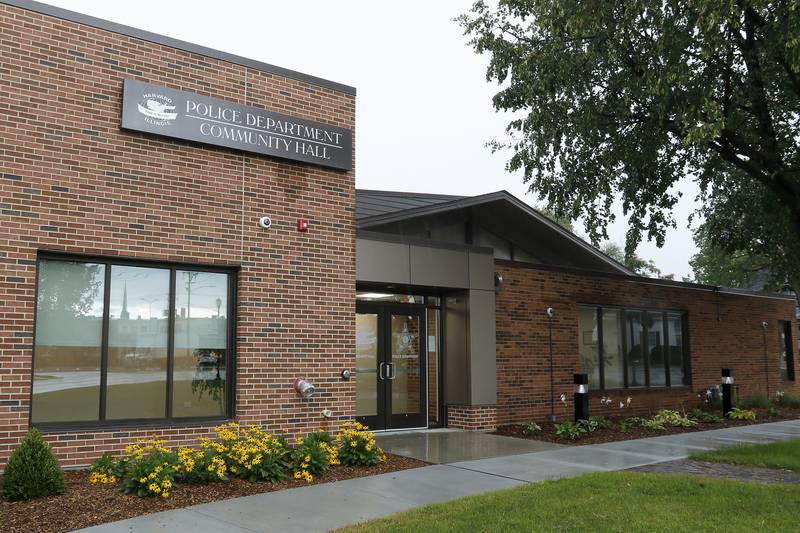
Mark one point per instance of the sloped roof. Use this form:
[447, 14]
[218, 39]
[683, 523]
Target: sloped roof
[377, 208]
[370, 203]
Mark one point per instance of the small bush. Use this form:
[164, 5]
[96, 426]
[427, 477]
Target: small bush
[773, 412]
[32, 470]
[787, 400]
[654, 424]
[755, 401]
[573, 430]
[313, 456]
[742, 414]
[531, 428]
[630, 423]
[674, 419]
[249, 452]
[357, 446]
[149, 469]
[600, 422]
[705, 416]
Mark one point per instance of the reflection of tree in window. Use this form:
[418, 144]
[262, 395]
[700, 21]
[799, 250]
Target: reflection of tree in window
[70, 292]
[201, 346]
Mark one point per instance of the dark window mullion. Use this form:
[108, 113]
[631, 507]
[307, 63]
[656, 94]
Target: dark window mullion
[104, 340]
[170, 342]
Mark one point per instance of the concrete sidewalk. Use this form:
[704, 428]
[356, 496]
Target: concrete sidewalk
[328, 506]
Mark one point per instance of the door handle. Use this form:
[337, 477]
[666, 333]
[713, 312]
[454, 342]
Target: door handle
[392, 371]
[380, 371]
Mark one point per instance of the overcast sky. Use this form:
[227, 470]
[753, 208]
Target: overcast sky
[423, 108]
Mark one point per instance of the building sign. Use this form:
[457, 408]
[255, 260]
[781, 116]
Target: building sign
[186, 115]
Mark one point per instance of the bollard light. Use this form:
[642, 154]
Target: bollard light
[303, 388]
[581, 382]
[727, 391]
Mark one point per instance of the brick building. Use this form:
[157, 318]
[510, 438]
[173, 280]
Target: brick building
[182, 239]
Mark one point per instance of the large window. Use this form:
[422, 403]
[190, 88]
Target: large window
[631, 348]
[119, 341]
[786, 355]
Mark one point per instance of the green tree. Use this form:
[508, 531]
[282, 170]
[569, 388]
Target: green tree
[713, 265]
[642, 267]
[622, 100]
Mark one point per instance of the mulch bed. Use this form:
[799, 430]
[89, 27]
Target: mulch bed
[83, 504]
[614, 434]
[723, 471]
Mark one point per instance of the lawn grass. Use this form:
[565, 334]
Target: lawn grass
[610, 501]
[784, 454]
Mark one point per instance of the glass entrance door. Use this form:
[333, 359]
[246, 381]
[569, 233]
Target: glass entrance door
[391, 371]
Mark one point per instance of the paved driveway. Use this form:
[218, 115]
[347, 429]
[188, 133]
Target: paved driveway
[332, 505]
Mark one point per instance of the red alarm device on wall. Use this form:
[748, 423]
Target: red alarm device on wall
[302, 224]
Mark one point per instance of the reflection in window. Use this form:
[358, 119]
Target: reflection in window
[366, 364]
[639, 348]
[613, 364]
[677, 370]
[786, 356]
[137, 343]
[655, 350]
[69, 332]
[201, 343]
[635, 356]
[406, 372]
[74, 354]
[590, 361]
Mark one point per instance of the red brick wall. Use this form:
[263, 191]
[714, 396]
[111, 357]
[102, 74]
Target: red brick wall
[472, 417]
[70, 180]
[734, 339]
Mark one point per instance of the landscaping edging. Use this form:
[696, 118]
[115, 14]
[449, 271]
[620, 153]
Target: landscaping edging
[84, 504]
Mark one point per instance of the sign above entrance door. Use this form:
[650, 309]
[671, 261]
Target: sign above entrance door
[189, 116]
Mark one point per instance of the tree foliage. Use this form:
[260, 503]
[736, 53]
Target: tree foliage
[622, 100]
[643, 267]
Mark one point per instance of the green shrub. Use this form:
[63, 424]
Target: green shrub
[787, 400]
[320, 436]
[705, 416]
[357, 446]
[755, 401]
[673, 418]
[32, 470]
[309, 458]
[652, 423]
[742, 414]
[248, 452]
[630, 423]
[149, 469]
[773, 412]
[573, 430]
[600, 422]
[531, 428]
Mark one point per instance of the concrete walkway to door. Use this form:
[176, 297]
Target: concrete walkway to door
[332, 505]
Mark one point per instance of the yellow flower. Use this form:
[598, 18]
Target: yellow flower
[165, 494]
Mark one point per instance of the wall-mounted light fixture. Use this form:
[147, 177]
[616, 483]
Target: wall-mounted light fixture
[498, 282]
[303, 388]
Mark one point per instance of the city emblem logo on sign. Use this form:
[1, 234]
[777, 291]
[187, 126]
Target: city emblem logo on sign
[157, 109]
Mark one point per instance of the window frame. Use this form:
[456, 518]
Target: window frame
[785, 335]
[644, 312]
[232, 271]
